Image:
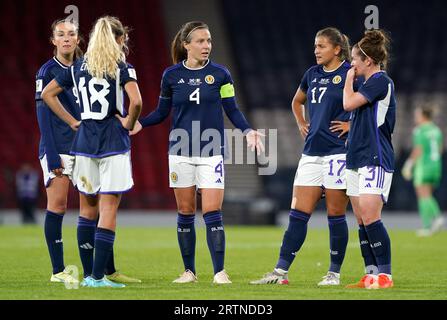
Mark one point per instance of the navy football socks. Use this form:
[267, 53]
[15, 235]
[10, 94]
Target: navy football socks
[86, 243]
[293, 238]
[215, 236]
[104, 240]
[186, 235]
[367, 253]
[53, 236]
[338, 239]
[380, 245]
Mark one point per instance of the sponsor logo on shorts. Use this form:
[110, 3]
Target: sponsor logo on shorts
[368, 185]
[218, 181]
[174, 177]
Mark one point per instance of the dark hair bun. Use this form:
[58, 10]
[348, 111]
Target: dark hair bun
[376, 38]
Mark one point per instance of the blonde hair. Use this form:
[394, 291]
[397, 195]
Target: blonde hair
[103, 51]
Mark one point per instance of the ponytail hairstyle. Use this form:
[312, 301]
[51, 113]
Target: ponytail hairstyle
[178, 51]
[336, 38]
[103, 51]
[375, 44]
[78, 51]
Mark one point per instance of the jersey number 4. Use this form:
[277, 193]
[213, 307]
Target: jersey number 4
[195, 96]
[95, 96]
[322, 92]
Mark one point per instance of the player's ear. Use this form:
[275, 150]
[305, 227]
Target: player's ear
[337, 50]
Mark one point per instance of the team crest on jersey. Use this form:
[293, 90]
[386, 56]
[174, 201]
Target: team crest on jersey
[174, 177]
[209, 79]
[336, 80]
[194, 82]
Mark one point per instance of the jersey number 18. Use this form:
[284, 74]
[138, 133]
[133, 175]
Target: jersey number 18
[95, 96]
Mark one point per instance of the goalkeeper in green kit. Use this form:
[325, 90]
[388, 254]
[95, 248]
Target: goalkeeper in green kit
[424, 167]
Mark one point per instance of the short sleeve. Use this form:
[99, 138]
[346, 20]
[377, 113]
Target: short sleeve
[127, 73]
[165, 87]
[374, 88]
[65, 79]
[42, 79]
[304, 85]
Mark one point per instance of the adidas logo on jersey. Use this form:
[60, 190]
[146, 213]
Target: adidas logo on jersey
[368, 185]
[314, 80]
[339, 181]
[181, 81]
[86, 246]
[218, 181]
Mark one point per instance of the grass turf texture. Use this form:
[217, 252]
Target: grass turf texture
[152, 254]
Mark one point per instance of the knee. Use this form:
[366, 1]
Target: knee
[186, 208]
[57, 205]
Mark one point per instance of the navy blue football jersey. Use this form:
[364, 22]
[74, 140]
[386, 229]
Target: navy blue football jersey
[100, 133]
[62, 134]
[369, 140]
[324, 91]
[197, 107]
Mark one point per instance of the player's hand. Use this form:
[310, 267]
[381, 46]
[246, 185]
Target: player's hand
[254, 141]
[407, 170]
[136, 128]
[351, 73]
[342, 126]
[58, 172]
[75, 125]
[304, 128]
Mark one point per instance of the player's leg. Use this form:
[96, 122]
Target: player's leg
[429, 210]
[182, 180]
[186, 233]
[89, 207]
[210, 178]
[334, 181]
[336, 203]
[57, 191]
[212, 199]
[375, 185]
[365, 248]
[56, 206]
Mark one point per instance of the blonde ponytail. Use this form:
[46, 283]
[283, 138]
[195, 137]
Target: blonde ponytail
[103, 52]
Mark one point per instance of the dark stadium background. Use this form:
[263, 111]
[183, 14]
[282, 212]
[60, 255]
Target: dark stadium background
[266, 44]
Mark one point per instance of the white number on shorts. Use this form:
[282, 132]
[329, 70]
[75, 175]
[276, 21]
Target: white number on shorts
[195, 96]
[95, 96]
[322, 91]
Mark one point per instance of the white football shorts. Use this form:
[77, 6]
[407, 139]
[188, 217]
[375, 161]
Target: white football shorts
[328, 172]
[68, 162]
[369, 180]
[203, 172]
[107, 175]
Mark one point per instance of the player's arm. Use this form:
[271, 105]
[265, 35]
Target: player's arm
[49, 95]
[299, 112]
[238, 119]
[46, 130]
[45, 126]
[342, 126]
[159, 114]
[352, 100]
[135, 104]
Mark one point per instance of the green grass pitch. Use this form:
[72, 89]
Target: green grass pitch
[152, 254]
